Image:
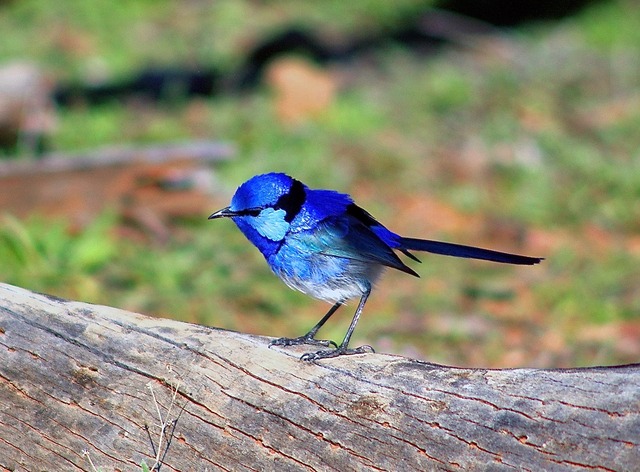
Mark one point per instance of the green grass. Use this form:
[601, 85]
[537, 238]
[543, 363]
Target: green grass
[524, 141]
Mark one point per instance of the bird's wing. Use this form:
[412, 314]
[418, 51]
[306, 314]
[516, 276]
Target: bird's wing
[347, 237]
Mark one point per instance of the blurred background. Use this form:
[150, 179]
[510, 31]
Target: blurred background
[123, 125]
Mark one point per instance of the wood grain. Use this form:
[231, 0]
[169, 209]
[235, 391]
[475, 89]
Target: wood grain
[76, 377]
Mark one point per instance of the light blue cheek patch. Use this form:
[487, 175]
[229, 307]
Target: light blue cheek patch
[270, 223]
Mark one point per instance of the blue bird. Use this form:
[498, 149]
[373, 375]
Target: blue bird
[321, 243]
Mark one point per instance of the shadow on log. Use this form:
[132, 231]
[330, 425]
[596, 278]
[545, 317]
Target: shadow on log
[83, 384]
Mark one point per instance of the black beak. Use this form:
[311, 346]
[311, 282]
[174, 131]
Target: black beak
[224, 213]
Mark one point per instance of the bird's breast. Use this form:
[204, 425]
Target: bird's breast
[322, 276]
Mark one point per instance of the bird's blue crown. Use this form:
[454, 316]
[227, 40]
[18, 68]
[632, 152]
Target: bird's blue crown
[262, 191]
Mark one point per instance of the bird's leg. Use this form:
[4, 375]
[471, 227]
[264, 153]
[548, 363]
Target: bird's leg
[309, 338]
[342, 349]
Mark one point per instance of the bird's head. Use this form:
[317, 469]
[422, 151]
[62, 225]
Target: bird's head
[265, 205]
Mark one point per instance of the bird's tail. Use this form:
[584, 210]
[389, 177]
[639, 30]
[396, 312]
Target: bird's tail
[460, 250]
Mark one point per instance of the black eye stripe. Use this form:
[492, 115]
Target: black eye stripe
[292, 201]
[249, 212]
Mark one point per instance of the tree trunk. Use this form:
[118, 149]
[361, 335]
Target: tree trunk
[84, 386]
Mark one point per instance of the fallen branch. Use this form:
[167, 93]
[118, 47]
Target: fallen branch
[147, 184]
[75, 384]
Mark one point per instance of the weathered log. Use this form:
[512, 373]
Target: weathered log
[81, 383]
[144, 183]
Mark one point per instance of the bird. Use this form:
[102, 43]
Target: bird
[323, 244]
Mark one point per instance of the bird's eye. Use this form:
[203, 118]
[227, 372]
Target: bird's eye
[249, 212]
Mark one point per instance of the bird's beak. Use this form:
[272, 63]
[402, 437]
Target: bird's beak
[224, 213]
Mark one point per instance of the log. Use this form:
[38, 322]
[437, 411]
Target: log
[86, 387]
[152, 183]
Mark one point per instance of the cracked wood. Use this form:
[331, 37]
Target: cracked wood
[76, 377]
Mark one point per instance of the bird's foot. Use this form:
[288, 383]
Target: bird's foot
[339, 351]
[306, 339]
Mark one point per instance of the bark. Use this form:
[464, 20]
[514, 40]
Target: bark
[82, 384]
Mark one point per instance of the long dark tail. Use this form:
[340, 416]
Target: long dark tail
[459, 250]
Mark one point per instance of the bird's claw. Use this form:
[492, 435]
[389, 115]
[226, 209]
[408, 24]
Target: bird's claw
[302, 340]
[339, 351]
